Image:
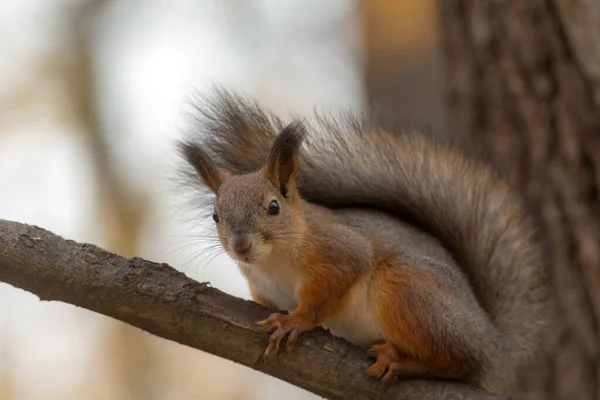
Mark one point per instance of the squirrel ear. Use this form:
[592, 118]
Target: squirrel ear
[212, 176]
[282, 166]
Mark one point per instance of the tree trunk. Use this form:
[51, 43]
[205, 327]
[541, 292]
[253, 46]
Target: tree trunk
[523, 78]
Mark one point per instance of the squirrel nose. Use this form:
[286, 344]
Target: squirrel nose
[241, 243]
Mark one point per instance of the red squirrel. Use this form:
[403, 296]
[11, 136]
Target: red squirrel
[394, 241]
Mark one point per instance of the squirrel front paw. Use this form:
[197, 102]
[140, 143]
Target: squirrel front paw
[285, 326]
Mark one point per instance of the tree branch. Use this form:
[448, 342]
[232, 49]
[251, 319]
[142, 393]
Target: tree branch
[163, 301]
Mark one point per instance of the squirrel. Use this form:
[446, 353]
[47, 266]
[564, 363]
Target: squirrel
[395, 241]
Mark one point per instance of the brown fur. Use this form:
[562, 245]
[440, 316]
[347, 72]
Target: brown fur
[460, 293]
[403, 316]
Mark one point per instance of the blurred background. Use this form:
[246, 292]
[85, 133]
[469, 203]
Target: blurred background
[93, 93]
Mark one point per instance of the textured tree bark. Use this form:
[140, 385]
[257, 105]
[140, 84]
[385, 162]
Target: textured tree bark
[523, 79]
[164, 302]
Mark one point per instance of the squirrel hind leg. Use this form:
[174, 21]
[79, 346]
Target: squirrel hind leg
[415, 346]
[390, 364]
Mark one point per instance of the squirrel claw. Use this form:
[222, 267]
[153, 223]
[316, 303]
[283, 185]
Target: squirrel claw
[292, 338]
[387, 366]
[377, 370]
[272, 349]
[371, 354]
[270, 323]
[392, 374]
[285, 327]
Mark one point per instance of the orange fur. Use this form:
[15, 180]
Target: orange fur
[323, 293]
[402, 317]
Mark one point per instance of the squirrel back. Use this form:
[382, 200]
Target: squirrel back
[459, 200]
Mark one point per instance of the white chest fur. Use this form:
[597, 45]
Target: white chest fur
[357, 322]
[277, 281]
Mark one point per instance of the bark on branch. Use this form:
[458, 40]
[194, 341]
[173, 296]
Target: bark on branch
[163, 301]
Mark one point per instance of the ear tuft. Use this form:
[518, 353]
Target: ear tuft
[212, 176]
[283, 160]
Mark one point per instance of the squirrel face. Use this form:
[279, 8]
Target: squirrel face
[253, 218]
[255, 213]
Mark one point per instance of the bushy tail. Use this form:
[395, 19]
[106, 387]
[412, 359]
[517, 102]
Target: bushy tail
[458, 199]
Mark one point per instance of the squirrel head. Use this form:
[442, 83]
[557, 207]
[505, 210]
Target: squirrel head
[256, 213]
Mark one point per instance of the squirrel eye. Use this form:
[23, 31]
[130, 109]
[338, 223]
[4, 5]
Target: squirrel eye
[273, 208]
[216, 217]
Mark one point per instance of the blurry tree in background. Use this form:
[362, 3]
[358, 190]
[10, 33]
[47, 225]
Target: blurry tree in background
[121, 208]
[523, 78]
[403, 63]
